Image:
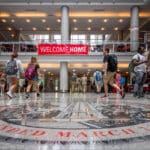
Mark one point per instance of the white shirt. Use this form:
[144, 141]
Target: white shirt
[141, 67]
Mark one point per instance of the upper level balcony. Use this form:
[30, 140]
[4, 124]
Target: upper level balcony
[95, 52]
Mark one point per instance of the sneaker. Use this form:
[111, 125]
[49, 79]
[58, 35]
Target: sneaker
[105, 96]
[27, 96]
[122, 93]
[9, 95]
[38, 94]
[135, 95]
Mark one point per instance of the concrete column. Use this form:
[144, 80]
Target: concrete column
[65, 39]
[63, 77]
[134, 28]
[65, 24]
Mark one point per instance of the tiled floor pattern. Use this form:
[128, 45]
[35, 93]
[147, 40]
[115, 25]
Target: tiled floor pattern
[65, 121]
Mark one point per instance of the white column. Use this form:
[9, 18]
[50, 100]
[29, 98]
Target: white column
[65, 24]
[134, 28]
[63, 77]
[65, 39]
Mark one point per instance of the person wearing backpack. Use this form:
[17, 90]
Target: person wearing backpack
[109, 72]
[13, 71]
[31, 74]
[98, 79]
[139, 61]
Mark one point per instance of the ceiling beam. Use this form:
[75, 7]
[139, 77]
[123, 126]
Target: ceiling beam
[71, 4]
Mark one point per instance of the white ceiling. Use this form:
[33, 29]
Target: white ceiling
[51, 7]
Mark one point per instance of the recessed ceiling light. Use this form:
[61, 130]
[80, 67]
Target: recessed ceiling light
[89, 28]
[116, 28]
[9, 28]
[34, 28]
[43, 20]
[58, 20]
[90, 20]
[105, 20]
[120, 20]
[12, 20]
[12, 35]
[4, 20]
[102, 28]
[28, 20]
[74, 20]
[75, 29]
[47, 28]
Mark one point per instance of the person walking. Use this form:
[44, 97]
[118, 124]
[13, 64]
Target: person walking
[139, 61]
[14, 70]
[109, 71]
[31, 74]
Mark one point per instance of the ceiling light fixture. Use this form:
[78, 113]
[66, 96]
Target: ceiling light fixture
[43, 20]
[102, 28]
[4, 20]
[4, 15]
[33, 14]
[105, 20]
[74, 20]
[58, 20]
[116, 28]
[120, 20]
[89, 28]
[12, 20]
[47, 28]
[28, 20]
[90, 20]
[12, 35]
[34, 28]
[75, 29]
[9, 28]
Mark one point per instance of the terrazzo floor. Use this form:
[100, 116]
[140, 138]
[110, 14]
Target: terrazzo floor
[66, 121]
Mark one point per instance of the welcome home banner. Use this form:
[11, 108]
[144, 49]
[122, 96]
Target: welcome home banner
[63, 49]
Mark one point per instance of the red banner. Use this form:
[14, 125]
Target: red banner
[63, 49]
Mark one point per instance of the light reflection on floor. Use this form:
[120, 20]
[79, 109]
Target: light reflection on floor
[74, 121]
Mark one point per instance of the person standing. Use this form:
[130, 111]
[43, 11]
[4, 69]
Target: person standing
[139, 61]
[32, 73]
[109, 70]
[2, 83]
[13, 71]
[84, 83]
[98, 79]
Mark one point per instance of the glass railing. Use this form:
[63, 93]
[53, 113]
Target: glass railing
[94, 47]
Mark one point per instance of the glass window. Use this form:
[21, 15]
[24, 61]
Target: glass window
[57, 38]
[78, 38]
[39, 38]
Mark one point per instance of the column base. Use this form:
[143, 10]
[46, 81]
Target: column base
[63, 91]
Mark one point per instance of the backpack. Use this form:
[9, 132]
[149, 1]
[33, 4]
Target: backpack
[30, 72]
[98, 76]
[122, 80]
[11, 68]
[112, 62]
[131, 67]
[73, 78]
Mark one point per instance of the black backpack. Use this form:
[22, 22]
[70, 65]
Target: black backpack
[112, 63]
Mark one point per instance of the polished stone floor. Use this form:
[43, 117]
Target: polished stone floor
[66, 121]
